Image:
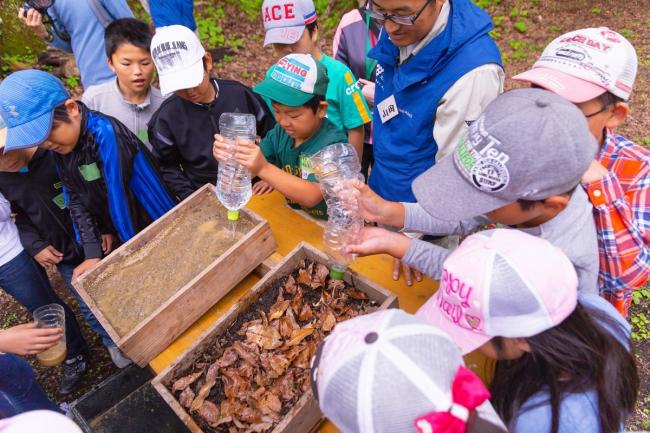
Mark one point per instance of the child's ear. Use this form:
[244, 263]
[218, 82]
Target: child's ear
[207, 58]
[522, 344]
[72, 108]
[322, 109]
[110, 64]
[556, 203]
[314, 35]
[619, 114]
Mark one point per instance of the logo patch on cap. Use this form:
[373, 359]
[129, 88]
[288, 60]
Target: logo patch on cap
[480, 160]
[291, 72]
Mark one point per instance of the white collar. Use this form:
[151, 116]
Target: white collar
[441, 22]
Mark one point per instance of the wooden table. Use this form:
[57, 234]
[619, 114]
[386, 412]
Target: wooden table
[290, 228]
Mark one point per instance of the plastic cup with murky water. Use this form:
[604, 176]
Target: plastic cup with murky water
[51, 316]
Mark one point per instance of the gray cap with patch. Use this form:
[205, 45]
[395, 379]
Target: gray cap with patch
[528, 144]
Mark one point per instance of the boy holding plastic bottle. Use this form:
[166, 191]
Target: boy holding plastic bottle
[296, 85]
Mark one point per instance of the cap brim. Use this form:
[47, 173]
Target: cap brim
[285, 95]
[567, 86]
[283, 35]
[468, 341]
[445, 194]
[179, 79]
[28, 134]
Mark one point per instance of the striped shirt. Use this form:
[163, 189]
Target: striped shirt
[621, 202]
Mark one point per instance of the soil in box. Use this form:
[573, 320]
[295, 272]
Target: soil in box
[163, 265]
[256, 372]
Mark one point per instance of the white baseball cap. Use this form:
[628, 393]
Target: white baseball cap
[285, 20]
[584, 64]
[178, 56]
[502, 283]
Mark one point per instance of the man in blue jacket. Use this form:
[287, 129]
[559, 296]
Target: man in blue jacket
[438, 68]
[79, 29]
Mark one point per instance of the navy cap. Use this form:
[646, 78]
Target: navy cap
[27, 102]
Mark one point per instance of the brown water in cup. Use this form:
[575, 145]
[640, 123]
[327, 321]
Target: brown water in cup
[52, 316]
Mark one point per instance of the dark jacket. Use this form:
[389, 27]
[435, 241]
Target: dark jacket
[89, 173]
[182, 132]
[36, 197]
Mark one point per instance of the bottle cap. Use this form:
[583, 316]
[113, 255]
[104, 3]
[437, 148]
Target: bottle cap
[337, 274]
[233, 215]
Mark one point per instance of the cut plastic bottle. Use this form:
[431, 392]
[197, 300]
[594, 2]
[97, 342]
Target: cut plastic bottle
[234, 187]
[336, 167]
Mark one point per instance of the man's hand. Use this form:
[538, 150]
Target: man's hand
[83, 267]
[262, 187]
[34, 20]
[108, 243]
[48, 257]
[594, 173]
[27, 339]
[368, 91]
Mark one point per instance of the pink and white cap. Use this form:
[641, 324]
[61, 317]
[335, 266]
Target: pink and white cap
[285, 20]
[503, 283]
[584, 64]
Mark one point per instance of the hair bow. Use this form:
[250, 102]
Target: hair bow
[468, 392]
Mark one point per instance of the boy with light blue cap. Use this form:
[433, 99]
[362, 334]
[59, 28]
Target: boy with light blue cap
[112, 183]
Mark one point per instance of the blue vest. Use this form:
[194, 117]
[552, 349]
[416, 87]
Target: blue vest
[404, 146]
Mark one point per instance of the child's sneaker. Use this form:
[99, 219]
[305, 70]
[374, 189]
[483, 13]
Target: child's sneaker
[118, 357]
[73, 370]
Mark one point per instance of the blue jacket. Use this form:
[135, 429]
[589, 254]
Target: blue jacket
[170, 12]
[404, 146]
[87, 36]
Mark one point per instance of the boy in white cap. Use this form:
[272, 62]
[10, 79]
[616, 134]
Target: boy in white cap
[519, 165]
[291, 27]
[296, 86]
[183, 129]
[595, 69]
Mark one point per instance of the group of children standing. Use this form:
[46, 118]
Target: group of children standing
[545, 165]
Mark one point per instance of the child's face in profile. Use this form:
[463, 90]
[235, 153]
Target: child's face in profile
[601, 117]
[300, 123]
[133, 67]
[64, 135]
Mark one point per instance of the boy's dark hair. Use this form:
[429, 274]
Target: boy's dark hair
[127, 31]
[314, 103]
[609, 99]
[60, 115]
[579, 355]
[312, 27]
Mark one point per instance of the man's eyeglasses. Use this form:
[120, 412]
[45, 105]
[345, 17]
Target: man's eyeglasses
[403, 20]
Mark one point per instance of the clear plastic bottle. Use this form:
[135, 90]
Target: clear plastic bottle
[336, 167]
[234, 187]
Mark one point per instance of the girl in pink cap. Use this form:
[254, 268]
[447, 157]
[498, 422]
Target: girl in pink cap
[564, 362]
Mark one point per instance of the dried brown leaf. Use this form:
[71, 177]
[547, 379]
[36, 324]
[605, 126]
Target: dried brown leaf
[300, 334]
[320, 276]
[286, 327]
[306, 313]
[247, 353]
[186, 397]
[244, 327]
[259, 427]
[334, 285]
[231, 407]
[209, 412]
[284, 387]
[304, 277]
[185, 381]
[328, 321]
[250, 415]
[290, 285]
[304, 358]
[269, 404]
[278, 309]
[201, 396]
[234, 386]
[296, 302]
[266, 337]
[274, 363]
[358, 294]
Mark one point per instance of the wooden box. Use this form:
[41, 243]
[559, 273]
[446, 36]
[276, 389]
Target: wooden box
[305, 416]
[191, 286]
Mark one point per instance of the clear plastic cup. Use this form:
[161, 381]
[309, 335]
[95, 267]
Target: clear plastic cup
[51, 316]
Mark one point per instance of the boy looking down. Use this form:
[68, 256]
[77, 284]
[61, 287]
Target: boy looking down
[291, 27]
[618, 181]
[183, 129]
[519, 165]
[296, 86]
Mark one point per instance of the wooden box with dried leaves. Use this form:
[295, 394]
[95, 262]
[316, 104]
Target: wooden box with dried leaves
[156, 285]
[249, 372]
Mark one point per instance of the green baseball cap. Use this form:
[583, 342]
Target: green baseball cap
[294, 80]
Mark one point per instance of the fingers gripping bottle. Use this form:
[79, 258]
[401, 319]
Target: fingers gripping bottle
[234, 187]
[336, 167]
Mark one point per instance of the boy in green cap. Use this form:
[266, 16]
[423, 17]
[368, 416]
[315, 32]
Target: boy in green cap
[296, 86]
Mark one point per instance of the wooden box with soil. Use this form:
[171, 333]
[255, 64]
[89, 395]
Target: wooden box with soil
[152, 288]
[249, 372]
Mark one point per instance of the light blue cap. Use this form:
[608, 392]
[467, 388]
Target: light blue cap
[27, 102]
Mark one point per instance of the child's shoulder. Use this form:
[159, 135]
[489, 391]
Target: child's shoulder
[100, 91]
[626, 148]
[334, 66]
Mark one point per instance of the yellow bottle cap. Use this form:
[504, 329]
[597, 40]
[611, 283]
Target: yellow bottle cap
[233, 215]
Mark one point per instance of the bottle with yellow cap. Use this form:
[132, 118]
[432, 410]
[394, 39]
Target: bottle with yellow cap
[234, 187]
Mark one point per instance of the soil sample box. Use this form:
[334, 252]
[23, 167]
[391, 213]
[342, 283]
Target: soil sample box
[250, 371]
[152, 288]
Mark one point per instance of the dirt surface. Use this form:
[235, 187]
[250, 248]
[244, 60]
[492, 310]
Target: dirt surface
[523, 28]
